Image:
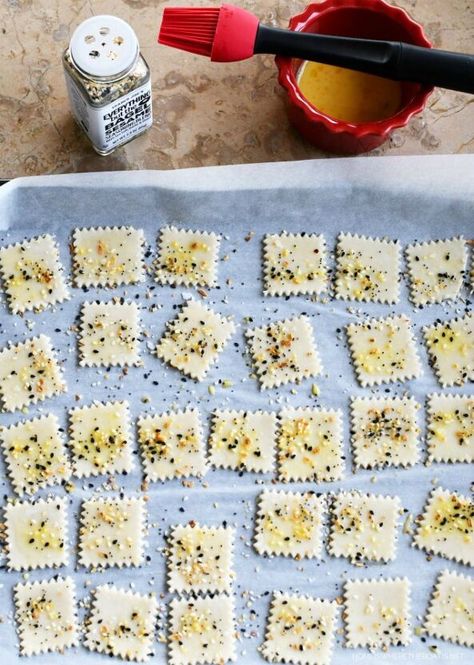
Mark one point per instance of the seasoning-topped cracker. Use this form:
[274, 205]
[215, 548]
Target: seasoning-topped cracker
[187, 257]
[446, 526]
[194, 339]
[29, 373]
[109, 334]
[36, 534]
[300, 629]
[294, 264]
[35, 454]
[112, 532]
[243, 440]
[451, 349]
[46, 616]
[100, 439]
[171, 445]
[108, 256]
[284, 352]
[289, 524]
[436, 270]
[310, 445]
[451, 610]
[122, 623]
[450, 431]
[32, 274]
[363, 526]
[367, 269]
[202, 630]
[377, 612]
[200, 558]
[383, 350]
[385, 431]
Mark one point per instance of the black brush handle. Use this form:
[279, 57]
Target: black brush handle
[394, 60]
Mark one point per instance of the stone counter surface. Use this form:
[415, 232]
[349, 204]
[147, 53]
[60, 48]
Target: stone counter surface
[204, 113]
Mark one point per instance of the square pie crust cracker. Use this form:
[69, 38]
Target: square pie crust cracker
[100, 439]
[436, 270]
[35, 454]
[451, 610]
[367, 269]
[446, 526]
[385, 431]
[46, 616]
[310, 445]
[284, 352]
[171, 445]
[383, 350]
[294, 264]
[112, 532]
[200, 558]
[108, 256]
[363, 526]
[450, 429]
[300, 630]
[29, 373]
[202, 630]
[187, 257]
[36, 534]
[243, 440]
[451, 349]
[194, 339]
[32, 274]
[289, 524]
[122, 623]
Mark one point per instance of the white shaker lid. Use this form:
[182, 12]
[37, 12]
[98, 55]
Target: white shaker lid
[104, 46]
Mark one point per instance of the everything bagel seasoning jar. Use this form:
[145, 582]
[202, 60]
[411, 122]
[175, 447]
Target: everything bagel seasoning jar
[108, 82]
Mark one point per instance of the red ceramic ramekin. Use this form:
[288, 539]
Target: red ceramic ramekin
[369, 19]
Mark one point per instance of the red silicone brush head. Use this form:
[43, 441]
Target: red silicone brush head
[225, 34]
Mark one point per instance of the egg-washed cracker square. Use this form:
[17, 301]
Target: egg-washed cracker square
[107, 256]
[310, 445]
[112, 532]
[384, 431]
[294, 264]
[32, 274]
[109, 335]
[100, 439]
[363, 526]
[202, 630]
[377, 612]
[243, 440]
[446, 526]
[383, 350]
[450, 347]
[200, 558]
[436, 270]
[284, 352]
[36, 534]
[451, 609]
[121, 623]
[367, 269]
[289, 524]
[35, 454]
[187, 257]
[29, 373]
[171, 445]
[46, 617]
[300, 629]
[194, 339]
[450, 428]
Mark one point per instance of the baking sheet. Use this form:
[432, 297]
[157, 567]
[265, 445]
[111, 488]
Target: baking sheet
[415, 198]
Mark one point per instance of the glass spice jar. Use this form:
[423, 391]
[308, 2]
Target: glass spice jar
[108, 82]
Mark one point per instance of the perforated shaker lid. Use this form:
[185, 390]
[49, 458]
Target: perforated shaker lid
[104, 46]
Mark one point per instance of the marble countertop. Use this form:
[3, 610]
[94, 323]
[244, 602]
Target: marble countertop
[204, 113]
